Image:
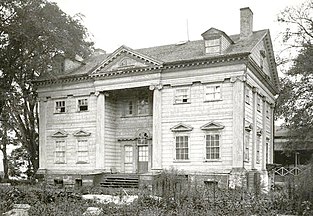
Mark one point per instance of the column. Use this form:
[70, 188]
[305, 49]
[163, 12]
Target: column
[100, 137]
[42, 133]
[157, 129]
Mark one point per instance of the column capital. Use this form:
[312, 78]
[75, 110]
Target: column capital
[156, 86]
[241, 78]
[97, 93]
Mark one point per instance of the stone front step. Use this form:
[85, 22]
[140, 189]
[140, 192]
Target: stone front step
[120, 180]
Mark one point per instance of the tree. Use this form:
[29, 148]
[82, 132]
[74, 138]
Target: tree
[32, 32]
[295, 102]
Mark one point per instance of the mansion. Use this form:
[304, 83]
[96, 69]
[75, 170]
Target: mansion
[203, 107]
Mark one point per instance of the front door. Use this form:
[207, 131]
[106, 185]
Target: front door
[143, 158]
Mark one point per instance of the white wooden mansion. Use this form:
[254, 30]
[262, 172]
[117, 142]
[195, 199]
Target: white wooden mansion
[204, 107]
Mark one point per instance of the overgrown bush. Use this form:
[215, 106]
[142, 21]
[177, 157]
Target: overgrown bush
[178, 196]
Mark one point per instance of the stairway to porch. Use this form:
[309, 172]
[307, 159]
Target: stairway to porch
[120, 181]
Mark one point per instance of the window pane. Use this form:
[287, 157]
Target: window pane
[143, 106]
[182, 148]
[182, 95]
[213, 93]
[128, 154]
[212, 146]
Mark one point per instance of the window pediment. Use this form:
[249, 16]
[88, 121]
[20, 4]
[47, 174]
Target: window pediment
[212, 126]
[81, 133]
[181, 128]
[60, 133]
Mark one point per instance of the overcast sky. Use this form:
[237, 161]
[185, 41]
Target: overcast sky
[146, 23]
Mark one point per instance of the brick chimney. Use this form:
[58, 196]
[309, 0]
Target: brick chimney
[246, 22]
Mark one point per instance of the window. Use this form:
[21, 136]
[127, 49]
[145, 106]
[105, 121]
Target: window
[60, 106]
[262, 57]
[182, 95]
[258, 108]
[248, 96]
[130, 108]
[267, 150]
[213, 46]
[143, 153]
[60, 151]
[143, 106]
[182, 148]
[142, 138]
[212, 93]
[258, 144]
[246, 146]
[82, 151]
[267, 113]
[82, 104]
[128, 158]
[212, 146]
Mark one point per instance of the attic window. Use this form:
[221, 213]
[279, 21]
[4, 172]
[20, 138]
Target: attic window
[213, 46]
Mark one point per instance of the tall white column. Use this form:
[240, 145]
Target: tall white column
[42, 133]
[100, 136]
[157, 133]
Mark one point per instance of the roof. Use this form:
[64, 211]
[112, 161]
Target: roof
[190, 50]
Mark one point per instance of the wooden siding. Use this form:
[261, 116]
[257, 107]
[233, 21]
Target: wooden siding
[256, 56]
[196, 114]
[71, 121]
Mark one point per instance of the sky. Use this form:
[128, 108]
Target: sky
[146, 23]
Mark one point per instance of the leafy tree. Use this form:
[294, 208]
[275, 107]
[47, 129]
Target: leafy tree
[295, 102]
[32, 32]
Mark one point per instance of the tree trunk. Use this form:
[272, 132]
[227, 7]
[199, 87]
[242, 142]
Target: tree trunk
[4, 152]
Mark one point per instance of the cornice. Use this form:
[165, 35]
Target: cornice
[262, 76]
[176, 65]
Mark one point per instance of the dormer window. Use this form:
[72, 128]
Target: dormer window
[215, 41]
[213, 46]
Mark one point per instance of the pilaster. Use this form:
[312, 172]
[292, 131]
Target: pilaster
[264, 133]
[254, 126]
[238, 121]
[271, 143]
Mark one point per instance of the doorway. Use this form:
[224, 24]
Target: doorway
[143, 158]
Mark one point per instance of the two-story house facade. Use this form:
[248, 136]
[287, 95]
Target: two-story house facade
[204, 107]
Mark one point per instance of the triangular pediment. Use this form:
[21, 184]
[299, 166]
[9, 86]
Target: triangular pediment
[59, 133]
[181, 128]
[81, 133]
[213, 33]
[212, 126]
[125, 58]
